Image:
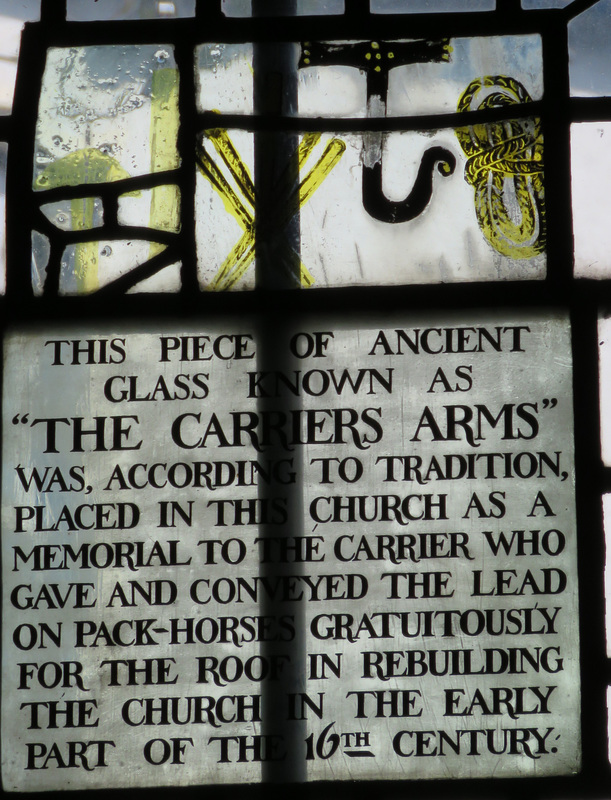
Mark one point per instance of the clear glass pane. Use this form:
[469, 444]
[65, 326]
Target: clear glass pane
[429, 6]
[237, 8]
[157, 208]
[13, 13]
[224, 77]
[243, 8]
[545, 3]
[374, 209]
[590, 51]
[590, 164]
[3, 155]
[129, 9]
[509, 65]
[604, 356]
[607, 525]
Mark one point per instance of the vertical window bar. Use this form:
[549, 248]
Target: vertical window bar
[21, 209]
[209, 10]
[53, 12]
[277, 267]
[356, 9]
[185, 61]
[590, 538]
[556, 137]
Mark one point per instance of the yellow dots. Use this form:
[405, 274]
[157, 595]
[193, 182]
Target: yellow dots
[368, 56]
[378, 69]
[379, 56]
[391, 55]
[375, 45]
[306, 52]
[306, 60]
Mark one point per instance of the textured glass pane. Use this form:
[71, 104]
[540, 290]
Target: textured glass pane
[429, 6]
[590, 163]
[225, 78]
[13, 13]
[382, 209]
[237, 8]
[75, 215]
[91, 265]
[590, 51]
[41, 250]
[604, 355]
[106, 114]
[168, 280]
[157, 208]
[545, 3]
[129, 9]
[243, 8]
[88, 266]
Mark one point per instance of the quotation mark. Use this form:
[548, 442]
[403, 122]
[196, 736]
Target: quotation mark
[24, 420]
[552, 403]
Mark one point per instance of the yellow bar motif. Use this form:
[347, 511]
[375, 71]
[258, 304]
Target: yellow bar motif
[289, 202]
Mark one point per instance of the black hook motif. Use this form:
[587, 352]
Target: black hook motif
[380, 207]
[376, 59]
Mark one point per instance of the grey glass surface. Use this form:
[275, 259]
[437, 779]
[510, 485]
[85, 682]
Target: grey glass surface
[243, 8]
[20, 9]
[12, 17]
[546, 3]
[429, 6]
[590, 51]
[3, 156]
[129, 9]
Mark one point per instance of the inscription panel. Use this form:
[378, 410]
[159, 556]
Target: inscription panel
[347, 553]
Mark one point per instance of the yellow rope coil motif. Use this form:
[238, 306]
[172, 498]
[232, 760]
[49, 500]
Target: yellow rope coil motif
[505, 167]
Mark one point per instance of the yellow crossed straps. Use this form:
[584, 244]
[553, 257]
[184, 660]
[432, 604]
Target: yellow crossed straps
[242, 208]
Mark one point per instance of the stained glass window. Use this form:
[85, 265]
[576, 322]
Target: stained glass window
[345, 265]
